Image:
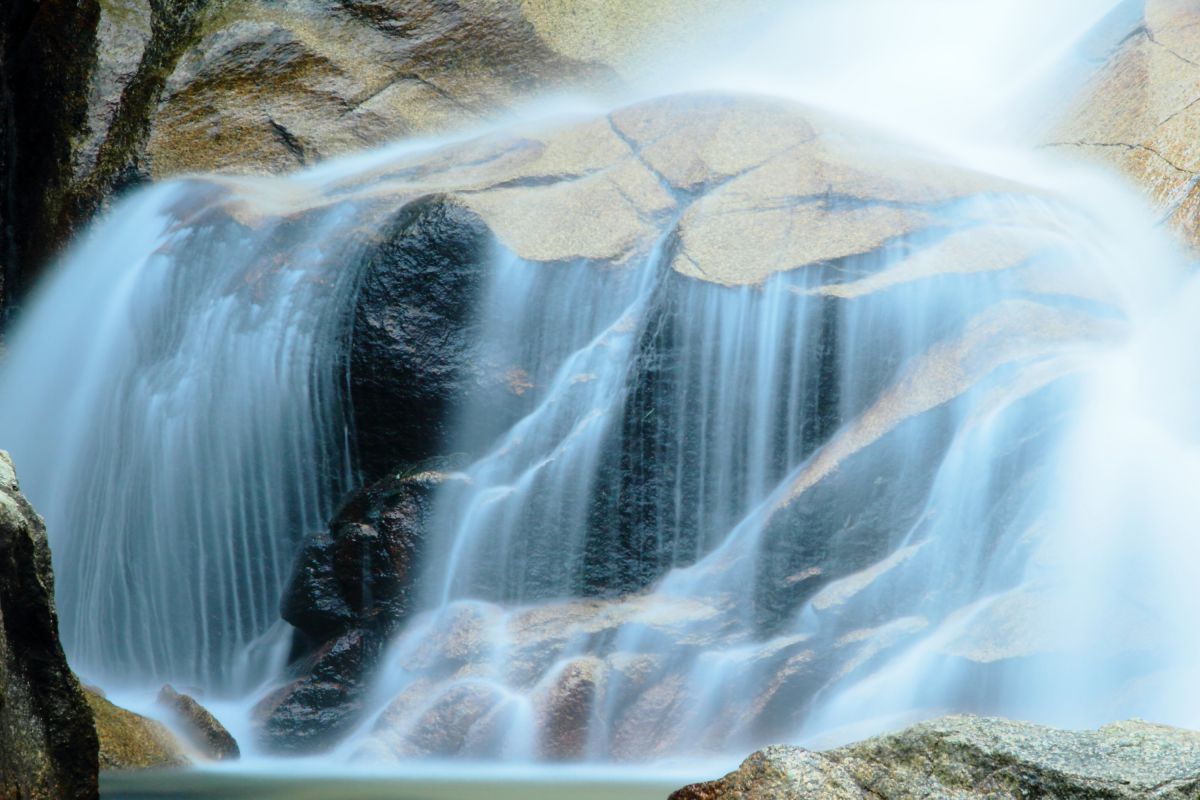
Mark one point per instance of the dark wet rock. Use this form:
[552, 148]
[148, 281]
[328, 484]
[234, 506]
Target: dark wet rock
[359, 573]
[647, 505]
[970, 757]
[313, 712]
[129, 741]
[48, 743]
[203, 731]
[351, 590]
[45, 98]
[414, 358]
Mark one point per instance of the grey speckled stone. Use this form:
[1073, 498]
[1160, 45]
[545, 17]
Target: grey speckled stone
[964, 758]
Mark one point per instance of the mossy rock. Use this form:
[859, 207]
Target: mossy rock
[129, 741]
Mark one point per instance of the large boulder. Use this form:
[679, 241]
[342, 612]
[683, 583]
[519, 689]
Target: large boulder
[970, 757]
[749, 179]
[48, 744]
[325, 699]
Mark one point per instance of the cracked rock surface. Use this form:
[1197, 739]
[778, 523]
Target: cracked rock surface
[1141, 111]
[743, 187]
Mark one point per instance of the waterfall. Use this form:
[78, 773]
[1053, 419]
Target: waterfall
[694, 457]
[950, 472]
[173, 395]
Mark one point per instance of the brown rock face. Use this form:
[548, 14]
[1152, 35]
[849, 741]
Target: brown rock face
[269, 87]
[204, 731]
[459, 719]
[48, 744]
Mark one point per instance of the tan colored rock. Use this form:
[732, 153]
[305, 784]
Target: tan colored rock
[758, 186]
[457, 656]
[447, 727]
[822, 199]
[779, 774]
[1141, 110]
[650, 726]
[257, 86]
[270, 86]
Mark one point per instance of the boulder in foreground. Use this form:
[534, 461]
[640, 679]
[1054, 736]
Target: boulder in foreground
[971, 757]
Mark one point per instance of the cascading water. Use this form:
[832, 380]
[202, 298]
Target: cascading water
[832, 500]
[679, 423]
[190, 432]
